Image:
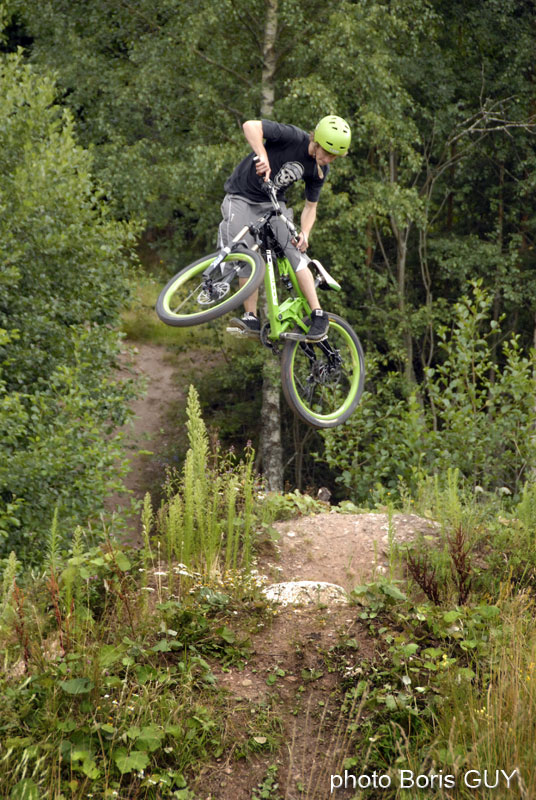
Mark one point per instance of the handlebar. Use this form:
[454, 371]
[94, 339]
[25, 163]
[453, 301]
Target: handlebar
[270, 188]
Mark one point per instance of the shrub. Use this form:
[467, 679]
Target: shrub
[63, 282]
[475, 413]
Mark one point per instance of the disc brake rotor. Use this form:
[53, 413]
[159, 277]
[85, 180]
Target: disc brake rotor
[214, 294]
[325, 373]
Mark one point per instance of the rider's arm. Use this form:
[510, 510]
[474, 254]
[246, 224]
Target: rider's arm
[307, 220]
[253, 132]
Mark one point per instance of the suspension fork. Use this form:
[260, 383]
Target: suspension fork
[224, 252]
[332, 354]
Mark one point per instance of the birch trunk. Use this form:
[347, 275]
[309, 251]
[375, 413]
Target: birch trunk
[401, 235]
[271, 447]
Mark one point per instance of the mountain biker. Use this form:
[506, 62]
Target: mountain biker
[286, 154]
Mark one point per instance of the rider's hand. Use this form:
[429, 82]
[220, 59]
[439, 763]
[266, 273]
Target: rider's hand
[262, 166]
[303, 243]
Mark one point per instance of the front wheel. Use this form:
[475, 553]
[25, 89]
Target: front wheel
[191, 298]
[323, 381]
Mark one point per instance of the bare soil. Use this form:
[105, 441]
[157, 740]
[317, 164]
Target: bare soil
[294, 677]
[149, 435]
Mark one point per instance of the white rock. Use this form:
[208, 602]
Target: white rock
[299, 593]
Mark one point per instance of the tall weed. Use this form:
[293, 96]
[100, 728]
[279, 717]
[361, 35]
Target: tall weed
[208, 520]
[490, 722]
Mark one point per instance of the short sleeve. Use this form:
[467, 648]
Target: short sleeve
[278, 132]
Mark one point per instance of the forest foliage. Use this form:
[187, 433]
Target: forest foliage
[65, 268]
[429, 223]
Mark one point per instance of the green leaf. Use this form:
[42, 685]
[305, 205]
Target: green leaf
[122, 561]
[109, 654]
[80, 755]
[126, 762]
[18, 741]
[390, 702]
[466, 672]
[150, 738]
[107, 728]
[226, 634]
[77, 686]
[174, 730]
[25, 789]
[393, 591]
[488, 612]
[165, 646]
[90, 769]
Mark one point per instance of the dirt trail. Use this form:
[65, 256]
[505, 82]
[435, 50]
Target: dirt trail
[344, 549]
[145, 433]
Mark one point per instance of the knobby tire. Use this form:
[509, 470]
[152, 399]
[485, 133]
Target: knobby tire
[184, 301]
[321, 393]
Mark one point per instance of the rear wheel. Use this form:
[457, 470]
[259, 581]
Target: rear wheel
[323, 381]
[189, 298]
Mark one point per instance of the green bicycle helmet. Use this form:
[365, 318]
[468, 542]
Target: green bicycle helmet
[333, 134]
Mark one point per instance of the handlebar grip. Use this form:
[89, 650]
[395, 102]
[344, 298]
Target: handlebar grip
[256, 158]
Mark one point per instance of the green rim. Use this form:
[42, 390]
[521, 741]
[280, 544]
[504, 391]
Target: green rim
[354, 384]
[182, 279]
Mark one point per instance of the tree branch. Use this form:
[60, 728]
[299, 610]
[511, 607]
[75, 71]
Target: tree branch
[224, 68]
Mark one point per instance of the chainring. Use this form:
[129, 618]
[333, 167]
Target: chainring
[266, 341]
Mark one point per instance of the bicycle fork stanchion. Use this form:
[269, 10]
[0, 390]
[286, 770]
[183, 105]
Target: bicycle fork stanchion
[224, 252]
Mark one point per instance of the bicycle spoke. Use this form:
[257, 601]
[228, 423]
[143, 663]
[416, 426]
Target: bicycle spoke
[323, 380]
[182, 304]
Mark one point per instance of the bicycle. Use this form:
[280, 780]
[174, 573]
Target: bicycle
[322, 381]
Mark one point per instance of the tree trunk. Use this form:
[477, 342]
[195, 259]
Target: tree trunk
[401, 235]
[271, 447]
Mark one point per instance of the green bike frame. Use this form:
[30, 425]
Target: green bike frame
[290, 313]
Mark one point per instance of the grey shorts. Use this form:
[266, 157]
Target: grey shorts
[237, 211]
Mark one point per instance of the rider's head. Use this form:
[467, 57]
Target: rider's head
[333, 135]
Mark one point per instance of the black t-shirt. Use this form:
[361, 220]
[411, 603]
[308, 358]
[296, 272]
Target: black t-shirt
[288, 153]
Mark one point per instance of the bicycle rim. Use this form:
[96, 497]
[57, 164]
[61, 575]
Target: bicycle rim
[325, 390]
[189, 299]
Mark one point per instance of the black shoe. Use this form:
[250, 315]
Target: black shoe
[248, 325]
[319, 326]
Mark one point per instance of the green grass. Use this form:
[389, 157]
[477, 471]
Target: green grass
[140, 322]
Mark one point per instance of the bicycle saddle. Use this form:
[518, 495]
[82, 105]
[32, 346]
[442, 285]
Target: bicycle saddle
[324, 280]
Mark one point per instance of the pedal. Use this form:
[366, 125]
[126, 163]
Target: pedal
[294, 336]
[242, 333]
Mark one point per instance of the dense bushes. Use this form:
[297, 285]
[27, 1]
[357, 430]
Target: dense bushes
[63, 280]
[475, 413]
